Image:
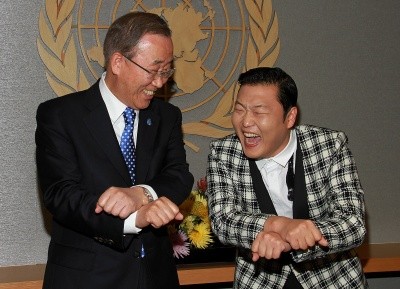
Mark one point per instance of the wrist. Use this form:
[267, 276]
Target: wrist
[147, 196]
[272, 224]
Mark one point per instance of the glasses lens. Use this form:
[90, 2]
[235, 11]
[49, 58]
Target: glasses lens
[166, 74]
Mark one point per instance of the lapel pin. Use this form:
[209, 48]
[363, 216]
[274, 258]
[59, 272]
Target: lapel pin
[149, 123]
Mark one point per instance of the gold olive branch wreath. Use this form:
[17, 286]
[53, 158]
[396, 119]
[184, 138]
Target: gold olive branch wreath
[57, 50]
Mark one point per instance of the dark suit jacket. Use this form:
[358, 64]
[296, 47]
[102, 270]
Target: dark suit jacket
[78, 158]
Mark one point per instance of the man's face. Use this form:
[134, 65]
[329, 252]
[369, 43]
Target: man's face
[259, 122]
[134, 86]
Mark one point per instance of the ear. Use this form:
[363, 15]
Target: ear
[116, 63]
[291, 117]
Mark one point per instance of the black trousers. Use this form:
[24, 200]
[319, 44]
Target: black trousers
[292, 283]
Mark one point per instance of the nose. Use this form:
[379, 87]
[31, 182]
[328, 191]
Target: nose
[248, 119]
[159, 81]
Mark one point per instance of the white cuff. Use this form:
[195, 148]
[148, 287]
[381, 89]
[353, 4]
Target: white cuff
[130, 222]
[130, 225]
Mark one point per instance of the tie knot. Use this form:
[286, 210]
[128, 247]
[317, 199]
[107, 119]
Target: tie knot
[129, 115]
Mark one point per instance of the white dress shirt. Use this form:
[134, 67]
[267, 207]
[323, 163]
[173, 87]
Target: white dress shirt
[273, 171]
[115, 110]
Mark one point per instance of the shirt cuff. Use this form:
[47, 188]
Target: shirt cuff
[130, 222]
[150, 189]
[130, 225]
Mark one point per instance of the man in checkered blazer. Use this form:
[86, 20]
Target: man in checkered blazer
[288, 197]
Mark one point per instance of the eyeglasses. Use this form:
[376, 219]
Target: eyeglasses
[163, 74]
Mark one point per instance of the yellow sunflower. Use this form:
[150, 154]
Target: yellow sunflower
[200, 209]
[187, 224]
[200, 236]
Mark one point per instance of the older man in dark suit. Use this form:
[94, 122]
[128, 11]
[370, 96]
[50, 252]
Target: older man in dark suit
[112, 167]
[287, 196]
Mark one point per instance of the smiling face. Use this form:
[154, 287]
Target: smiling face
[259, 121]
[131, 84]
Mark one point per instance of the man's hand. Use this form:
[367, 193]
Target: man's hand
[299, 233]
[120, 202]
[158, 213]
[268, 245]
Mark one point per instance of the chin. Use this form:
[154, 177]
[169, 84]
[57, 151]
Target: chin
[252, 154]
[144, 104]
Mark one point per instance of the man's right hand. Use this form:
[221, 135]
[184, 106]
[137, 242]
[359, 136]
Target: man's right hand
[120, 202]
[299, 233]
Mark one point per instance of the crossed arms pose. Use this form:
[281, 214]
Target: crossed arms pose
[109, 215]
[294, 230]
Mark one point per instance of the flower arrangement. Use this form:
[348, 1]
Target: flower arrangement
[194, 231]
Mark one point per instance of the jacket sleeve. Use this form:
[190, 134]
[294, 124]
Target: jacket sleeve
[337, 207]
[169, 173]
[233, 221]
[66, 194]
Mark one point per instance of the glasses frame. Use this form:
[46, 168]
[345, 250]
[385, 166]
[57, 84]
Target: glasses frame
[162, 74]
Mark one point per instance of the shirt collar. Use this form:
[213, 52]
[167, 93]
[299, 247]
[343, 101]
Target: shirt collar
[283, 157]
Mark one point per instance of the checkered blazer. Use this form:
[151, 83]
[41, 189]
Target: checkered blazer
[335, 201]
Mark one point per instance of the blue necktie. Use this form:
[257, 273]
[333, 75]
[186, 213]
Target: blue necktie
[128, 149]
[127, 144]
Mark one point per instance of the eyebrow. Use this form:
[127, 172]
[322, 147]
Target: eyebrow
[252, 107]
[159, 61]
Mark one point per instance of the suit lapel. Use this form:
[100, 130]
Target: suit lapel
[98, 123]
[300, 203]
[146, 138]
[263, 198]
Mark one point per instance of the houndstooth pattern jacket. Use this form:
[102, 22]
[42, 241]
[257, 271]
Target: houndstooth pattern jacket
[335, 202]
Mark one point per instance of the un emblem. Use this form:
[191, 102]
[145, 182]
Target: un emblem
[214, 41]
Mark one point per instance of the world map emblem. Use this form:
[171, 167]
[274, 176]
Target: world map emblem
[214, 41]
